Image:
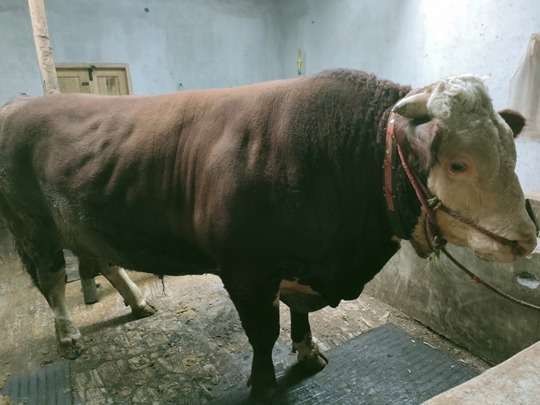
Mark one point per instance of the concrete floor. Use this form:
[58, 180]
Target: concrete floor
[192, 351]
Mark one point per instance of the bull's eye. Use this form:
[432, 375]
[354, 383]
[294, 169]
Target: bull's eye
[458, 167]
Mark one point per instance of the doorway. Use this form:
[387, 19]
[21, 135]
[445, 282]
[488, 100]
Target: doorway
[104, 79]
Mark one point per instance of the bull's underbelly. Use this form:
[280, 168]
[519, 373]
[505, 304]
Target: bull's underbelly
[178, 259]
[294, 287]
[140, 241]
[162, 255]
[168, 255]
[300, 297]
[172, 256]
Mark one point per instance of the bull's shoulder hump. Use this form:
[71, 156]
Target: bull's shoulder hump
[14, 104]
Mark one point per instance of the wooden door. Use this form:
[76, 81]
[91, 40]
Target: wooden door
[73, 80]
[104, 80]
[111, 82]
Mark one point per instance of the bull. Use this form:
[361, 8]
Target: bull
[275, 187]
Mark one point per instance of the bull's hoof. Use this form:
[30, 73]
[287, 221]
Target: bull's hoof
[263, 389]
[314, 363]
[67, 337]
[263, 394]
[70, 351]
[144, 310]
[310, 359]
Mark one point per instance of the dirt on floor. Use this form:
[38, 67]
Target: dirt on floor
[192, 351]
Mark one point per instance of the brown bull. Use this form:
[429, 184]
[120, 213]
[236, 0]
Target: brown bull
[276, 187]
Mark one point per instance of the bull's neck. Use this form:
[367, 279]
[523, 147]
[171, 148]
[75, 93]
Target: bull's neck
[369, 159]
[404, 220]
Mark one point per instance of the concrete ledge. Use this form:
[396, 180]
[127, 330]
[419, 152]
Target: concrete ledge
[515, 381]
[439, 295]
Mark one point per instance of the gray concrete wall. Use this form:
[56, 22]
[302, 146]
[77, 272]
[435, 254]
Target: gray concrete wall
[200, 44]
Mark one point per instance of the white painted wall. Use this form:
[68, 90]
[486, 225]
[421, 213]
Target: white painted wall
[201, 44]
[217, 43]
[417, 42]
[19, 72]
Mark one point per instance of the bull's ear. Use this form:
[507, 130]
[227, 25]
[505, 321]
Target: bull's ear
[424, 139]
[413, 106]
[515, 120]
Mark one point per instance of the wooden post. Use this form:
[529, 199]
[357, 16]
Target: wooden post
[43, 46]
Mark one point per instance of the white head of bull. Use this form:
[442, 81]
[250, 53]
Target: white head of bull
[471, 158]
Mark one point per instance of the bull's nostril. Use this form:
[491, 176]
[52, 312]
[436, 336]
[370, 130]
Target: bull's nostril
[525, 247]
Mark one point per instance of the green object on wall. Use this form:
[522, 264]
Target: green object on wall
[300, 62]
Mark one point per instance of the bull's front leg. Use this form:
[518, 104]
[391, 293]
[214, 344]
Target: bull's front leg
[258, 307]
[119, 279]
[309, 356]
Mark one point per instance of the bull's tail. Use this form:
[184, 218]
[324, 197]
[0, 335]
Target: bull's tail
[7, 228]
[37, 250]
[7, 225]
[27, 262]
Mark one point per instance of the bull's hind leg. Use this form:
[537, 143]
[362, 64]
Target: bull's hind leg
[53, 287]
[47, 269]
[121, 282]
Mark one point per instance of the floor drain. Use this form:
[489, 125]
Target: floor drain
[527, 280]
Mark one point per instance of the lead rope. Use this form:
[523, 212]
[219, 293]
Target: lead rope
[474, 277]
[438, 245]
[485, 283]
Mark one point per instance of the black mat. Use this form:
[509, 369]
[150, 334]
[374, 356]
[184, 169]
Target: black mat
[382, 366]
[49, 385]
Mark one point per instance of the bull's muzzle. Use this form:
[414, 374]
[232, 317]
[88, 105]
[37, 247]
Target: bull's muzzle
[525, 246]
[532, 215]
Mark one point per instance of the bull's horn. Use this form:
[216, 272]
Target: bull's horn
[414, 106]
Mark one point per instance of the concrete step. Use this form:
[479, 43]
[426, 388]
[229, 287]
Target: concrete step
[515, 381]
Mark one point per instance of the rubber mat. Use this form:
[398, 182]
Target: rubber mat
[384, 366]
[49, 385]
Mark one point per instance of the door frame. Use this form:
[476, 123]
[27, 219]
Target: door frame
[76, 66]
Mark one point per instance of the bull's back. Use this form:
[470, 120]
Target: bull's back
[120, 176]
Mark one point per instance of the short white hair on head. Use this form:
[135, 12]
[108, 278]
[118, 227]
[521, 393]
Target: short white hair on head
[458, 96]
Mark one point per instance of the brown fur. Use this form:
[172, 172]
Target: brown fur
[273, 181]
